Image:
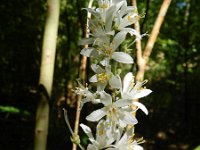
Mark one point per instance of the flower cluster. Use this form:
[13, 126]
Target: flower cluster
[109, 27]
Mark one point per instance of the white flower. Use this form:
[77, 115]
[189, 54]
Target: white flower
[129, 91]
[126, 143]
[129, 19]
[102, 77]
[101, 28]
[108, 7]
[89, 96]
[102, 23]
[117, 112]
[104, 136]
[108, 49]
[125, 17]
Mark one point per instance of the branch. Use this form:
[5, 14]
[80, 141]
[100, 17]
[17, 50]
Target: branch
[156, 29]
[143, 60]
[139, 59]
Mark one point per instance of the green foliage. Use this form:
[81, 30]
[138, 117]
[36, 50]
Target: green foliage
[197, 148]
[14, 110]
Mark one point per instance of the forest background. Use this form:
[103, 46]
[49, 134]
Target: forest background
[173, 74]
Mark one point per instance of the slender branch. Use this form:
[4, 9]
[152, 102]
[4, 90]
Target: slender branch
[139, 59]
[149, 46]
[82, 76]
[156, 29]
[137, 27]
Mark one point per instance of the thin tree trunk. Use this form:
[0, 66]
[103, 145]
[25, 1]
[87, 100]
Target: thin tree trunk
[82, 76]
[46, 74]
[139, 59]
[143, 59]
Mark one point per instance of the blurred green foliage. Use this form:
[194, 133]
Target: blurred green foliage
[197, 148]
[13, 110]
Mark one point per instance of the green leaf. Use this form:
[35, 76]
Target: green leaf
[197, 148]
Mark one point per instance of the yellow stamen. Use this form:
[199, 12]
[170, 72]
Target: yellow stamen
[130, 19]
[104, 5]
[108, 51]
[103, 77]
[101, 132]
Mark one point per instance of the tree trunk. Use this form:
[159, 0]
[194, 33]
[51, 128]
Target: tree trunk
[46, 74]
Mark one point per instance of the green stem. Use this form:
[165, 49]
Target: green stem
[81, 147]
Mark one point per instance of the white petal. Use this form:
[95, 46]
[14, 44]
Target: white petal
[123, 9]
[118, 39]
[86, 41]
[108, 69]
[111, 149]
[141, 93]
[115, 82]
[96, 68]
[97, 115]
[131, 9]
[118, 3]
[93, 78]
[101, 86]
[123, 140]
[93, 12]
[122, 57]
[110, 32]
[126, 21]
[92, 147]
[109, 18]
[88, 131]
[105, 62]
[133, 32]
[129, 118]
[122, 103]
[122, 123]
[106, 98]
[141, 106]
[137, 147]
[87, 51]
[128, 80]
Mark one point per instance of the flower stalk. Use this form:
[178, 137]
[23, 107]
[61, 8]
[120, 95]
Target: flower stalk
[109, 27]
